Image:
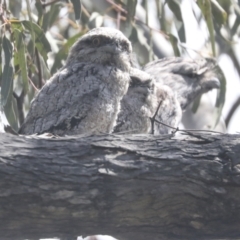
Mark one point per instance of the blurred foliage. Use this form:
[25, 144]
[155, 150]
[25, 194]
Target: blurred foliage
[36, 37]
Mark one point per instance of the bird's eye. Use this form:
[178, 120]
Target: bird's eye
[96, 42]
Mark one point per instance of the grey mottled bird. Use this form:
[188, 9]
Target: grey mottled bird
[84, 95]
[144, 99]
[188, 78]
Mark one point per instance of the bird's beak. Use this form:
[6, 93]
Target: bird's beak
[215, 83]
[211, 83]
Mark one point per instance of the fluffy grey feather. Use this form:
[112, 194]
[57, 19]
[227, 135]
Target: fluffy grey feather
[84, 95]
[141, 102]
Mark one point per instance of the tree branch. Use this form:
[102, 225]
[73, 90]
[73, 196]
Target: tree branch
[130, 187]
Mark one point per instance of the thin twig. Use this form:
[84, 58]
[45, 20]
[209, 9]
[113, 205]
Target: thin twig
[35, 88]
[118, 19]
[187, 130]
[84, 10]
[152, 119]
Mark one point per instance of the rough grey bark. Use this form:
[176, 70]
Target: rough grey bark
[131, 187]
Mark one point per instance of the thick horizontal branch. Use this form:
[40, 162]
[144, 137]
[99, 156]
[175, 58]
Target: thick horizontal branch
[131, 187]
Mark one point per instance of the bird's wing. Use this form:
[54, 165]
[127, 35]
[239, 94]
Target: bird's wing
[187, 78]
[64, 101]
[177, 65]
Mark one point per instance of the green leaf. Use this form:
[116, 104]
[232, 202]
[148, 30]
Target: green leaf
[196, 104]
[159, 9]
[50, 17]
[140, 45]
[63, 52]
[174, 42]
[15, 7]
[7, 76]
[9, 111]
[235, 25]
[205, 6]
[41, 41]
[181, 33]
[21, 58]
[147, 12]
[126, 28]
[0, 64]
[40, 10]
[77, 8]
[218, 12]
[221, 96]
[131, 8]
[174, 5]
[16, 24]
[30, 27]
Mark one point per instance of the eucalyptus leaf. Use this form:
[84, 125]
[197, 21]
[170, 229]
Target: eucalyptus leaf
[219, 13]
[40, 10]
[7, 76]
[17, 25]
[9, 111]
[77, 8]
[174, 5]
[131, 8]
[181, 33]
[221, 96]
[41, 41]
[174, 43]
[206, 9]
[196, 104]
[31, 28]
[21, 58]
[63, 52]
[50, 17]
[140, 45]
[0, 64]
[159, 9]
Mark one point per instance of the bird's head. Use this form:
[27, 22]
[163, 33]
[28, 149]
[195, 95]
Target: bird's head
[208, 74]
[209, 82]
[141, 84]
[106, 46]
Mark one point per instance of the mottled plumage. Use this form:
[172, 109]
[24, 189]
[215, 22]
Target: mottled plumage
[169, 112]
[84, 95]
[187, 78]
[141, 102]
